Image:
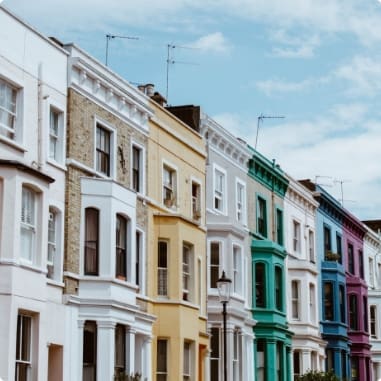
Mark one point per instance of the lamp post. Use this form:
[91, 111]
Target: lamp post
[223, 285]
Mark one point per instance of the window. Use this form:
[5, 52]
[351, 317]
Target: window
[328, 301]
[342, 303]
[279, 226]
[373, 322]
[161, 361]
[236, 356]
[371, 272]
[296, 236]
[311, 246]
[329, 360]
[187, 360]
[28, 224]
[314, 360]
[215, 354]
[89, 351]
[120, 350]
[312, 302]
[219, 190]
[295, 299]
[353, 323]
[241, 202]
[361, 264]
[261, 360]
[279, 360]
[354, 368]
[137, 168]
[365, 314]
[327, 241]
[344, 365]
[296, 365]
[103, 150]
[121, 247]
[187, 271]
[260, 285]
[214, 263]
[52, 232]
[339, 248]
[138, 260]
[278, 288]
[351, 265]
[169, 187]
[91, 241]
[196, 201]
[8, 111]
[23, 348]
[56, 135]
[262, 217]
[237, 270]
[162, 268]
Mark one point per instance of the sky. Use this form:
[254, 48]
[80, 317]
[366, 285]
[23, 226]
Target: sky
[317, 63]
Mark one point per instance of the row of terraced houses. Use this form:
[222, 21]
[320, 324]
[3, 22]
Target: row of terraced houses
[118, 214]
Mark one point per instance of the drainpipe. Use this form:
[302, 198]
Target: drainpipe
[39, 117]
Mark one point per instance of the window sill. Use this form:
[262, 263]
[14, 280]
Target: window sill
[56, 164]
[13, 144]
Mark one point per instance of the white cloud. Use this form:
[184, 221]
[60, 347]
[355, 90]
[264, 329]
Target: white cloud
[294, 46]
[214, 42]
[273, 86]
[363, 74]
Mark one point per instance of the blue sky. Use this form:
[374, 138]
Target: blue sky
[316, 62]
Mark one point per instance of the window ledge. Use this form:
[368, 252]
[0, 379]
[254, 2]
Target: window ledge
[56, 164]
[55, 283]
[30, 266]
[13, 144]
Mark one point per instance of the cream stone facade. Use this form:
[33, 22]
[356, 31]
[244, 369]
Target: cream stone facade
[108, 324]
[176, 249]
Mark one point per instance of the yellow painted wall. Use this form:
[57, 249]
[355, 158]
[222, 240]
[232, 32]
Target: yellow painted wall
[171, 141]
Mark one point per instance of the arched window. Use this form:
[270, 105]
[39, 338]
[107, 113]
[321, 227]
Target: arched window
[91, 241]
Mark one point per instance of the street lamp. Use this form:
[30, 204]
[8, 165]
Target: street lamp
[223, 285]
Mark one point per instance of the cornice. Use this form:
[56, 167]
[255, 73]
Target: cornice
[268, 174]
[25, 168]
[225, 143]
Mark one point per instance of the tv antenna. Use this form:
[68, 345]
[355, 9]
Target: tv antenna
[260, 120]
[113, 36]
[172, 61]
[341, 182]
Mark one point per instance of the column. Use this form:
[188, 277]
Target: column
[79, 359]
[306, 361]
[207, 364]
[130, 350]
[271, 360]
[106, 350]
[147, 359]
[249, 358]
[229, 350]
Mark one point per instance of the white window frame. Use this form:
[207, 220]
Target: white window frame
[113, 139]
[371, 272]
[169, 189]
[219, 194]
[28, 225]
[373, 321]
[19, 360]
[311, 246]
[295, 299]
[187, 361]
[162, 272]
[296, 236]
[240, 192]
[187, 271]
[220, 251]
[59, 137]
[141, 148]
[312, 302]
[17, 113]
[142, 260]
[196, 200]
[162, 372]
[55, 266]
[238, 276]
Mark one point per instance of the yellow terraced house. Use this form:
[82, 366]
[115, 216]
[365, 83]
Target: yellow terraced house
[176, 248]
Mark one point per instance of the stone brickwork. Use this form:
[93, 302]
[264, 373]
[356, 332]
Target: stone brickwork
[82, 113]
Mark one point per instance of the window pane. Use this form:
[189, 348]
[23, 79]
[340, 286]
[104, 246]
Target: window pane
[121, 246]
[91, 241]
